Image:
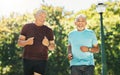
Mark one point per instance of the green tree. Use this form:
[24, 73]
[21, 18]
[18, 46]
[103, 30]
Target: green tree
[62, 22]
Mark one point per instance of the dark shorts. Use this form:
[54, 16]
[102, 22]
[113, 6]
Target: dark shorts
[31, 66]
[82, 70]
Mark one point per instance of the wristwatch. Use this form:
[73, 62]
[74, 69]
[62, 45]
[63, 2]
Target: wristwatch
[89, 49]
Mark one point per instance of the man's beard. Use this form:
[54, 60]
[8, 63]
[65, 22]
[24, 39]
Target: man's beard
[80, 28]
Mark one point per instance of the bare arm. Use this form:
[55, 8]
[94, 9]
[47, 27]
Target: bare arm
[94, 49]
[22, 42]
[51, 46]
[69, 49]
[69, 52]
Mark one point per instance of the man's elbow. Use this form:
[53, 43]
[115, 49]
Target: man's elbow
[97, 51]
[20, 44]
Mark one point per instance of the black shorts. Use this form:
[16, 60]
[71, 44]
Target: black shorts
[31, 66]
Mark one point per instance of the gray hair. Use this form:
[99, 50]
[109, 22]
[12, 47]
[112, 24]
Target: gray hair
[80, 16]
[39, 12]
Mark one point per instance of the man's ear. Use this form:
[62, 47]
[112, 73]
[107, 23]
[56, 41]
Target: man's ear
[75, 23]
[86, 22]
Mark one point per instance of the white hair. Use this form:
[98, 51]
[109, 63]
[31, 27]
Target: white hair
[80, 16]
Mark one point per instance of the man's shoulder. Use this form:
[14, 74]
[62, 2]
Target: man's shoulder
[89, 30]
[47, 27]
[71, 32]
[28, 24]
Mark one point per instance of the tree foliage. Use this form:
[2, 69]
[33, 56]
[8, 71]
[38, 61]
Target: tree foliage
[62, 22]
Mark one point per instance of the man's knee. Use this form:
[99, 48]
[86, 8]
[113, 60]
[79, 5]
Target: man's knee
[37, 73]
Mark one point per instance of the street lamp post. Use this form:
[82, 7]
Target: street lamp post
[100, 9]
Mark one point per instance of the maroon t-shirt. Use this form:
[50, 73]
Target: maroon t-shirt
[37, 51]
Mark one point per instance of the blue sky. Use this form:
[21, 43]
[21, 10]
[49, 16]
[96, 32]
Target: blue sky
[22, 6]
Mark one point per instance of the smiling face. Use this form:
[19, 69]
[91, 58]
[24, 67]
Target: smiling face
[40, 18]
[80, 22]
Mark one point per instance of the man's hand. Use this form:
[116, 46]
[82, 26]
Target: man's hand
[51, 46]
[30, 41]
[35, 73]
[84, 48]
[70, 56]
[23, 42]
[45, 41]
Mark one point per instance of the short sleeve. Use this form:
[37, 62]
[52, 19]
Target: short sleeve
[24, 30]
[50, 34]
[69, 43]
[94, 38]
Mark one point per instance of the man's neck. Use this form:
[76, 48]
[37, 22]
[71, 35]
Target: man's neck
[38, 24]
[81, 30]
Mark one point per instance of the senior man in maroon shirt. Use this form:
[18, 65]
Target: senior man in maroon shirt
[37, 39]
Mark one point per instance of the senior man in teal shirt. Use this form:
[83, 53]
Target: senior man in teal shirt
[82, 44]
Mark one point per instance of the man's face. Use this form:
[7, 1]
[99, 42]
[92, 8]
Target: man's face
[40, 18]
[80, 23]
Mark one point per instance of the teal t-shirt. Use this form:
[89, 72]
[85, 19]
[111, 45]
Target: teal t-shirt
[82, 38]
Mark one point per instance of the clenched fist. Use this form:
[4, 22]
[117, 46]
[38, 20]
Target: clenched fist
[30, 41]
[45, 41]
[84, 48]
[70, 56]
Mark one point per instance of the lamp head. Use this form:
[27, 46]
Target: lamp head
[100, 7]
